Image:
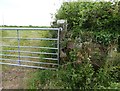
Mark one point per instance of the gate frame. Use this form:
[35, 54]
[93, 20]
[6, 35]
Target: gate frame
[32, 29]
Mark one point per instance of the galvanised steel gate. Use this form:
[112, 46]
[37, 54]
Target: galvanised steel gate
[16, 54]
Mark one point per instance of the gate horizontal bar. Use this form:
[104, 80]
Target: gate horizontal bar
[27, 66]
[29, 52]
[28, 61]
[28, 57]
[28, 38]
[29, 47]
[31, 29]
[8, 57]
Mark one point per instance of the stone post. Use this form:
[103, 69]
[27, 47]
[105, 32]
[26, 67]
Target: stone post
[63, 25]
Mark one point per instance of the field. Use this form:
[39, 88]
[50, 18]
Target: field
[20, 77]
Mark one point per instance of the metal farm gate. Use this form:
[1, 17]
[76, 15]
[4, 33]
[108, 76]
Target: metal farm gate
[19, 54]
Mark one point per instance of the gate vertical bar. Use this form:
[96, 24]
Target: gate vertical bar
[18, 37]
[58, 46]
[19, 58]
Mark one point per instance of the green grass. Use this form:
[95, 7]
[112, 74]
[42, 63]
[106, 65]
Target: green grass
[14, 42]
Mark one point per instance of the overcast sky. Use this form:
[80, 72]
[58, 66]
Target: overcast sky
[27, 12]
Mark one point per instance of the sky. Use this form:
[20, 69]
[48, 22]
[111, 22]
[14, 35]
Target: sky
[28, 12]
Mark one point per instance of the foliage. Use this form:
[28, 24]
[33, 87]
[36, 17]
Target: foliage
[119, 44]
[105, 38]
[93, 29]
[91, 16]
[79, 76]
[96, 21]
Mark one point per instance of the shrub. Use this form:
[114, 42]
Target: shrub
[79, 76]
[91, 24]
[91, 16]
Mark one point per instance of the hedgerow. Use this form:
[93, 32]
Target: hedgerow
[89, 44]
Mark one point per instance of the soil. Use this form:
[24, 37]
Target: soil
[16, 77]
